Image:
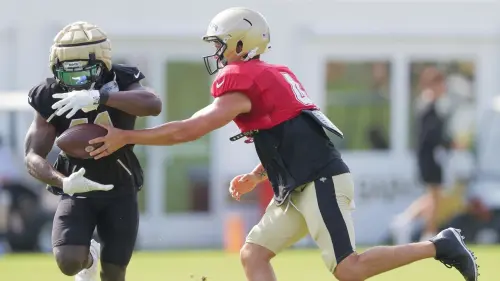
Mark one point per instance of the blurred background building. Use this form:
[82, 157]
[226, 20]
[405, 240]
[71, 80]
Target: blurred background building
[359, 60]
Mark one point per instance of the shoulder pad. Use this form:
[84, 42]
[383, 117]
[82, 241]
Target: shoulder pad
[40, 97]
[127, 75]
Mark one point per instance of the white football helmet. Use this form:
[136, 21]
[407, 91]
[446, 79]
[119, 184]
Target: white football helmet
[238, 34]
[80, 54]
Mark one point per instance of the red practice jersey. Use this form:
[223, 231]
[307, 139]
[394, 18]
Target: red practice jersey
[274, 91]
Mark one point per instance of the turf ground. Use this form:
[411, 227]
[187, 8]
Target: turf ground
[293, 265]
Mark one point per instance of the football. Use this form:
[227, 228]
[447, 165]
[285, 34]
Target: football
[75, 140]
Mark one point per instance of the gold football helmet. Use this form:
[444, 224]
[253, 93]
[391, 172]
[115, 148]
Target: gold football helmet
[81, 52]
[238, 34]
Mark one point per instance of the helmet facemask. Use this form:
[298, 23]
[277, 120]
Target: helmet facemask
[78, 75]
[217, 60]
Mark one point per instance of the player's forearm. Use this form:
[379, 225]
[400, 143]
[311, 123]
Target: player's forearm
[167, 134]
[40, 169]
[260, 172]
[135, 102]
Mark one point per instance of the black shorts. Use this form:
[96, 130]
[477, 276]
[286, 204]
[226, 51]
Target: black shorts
[431, 172]
[116, 219]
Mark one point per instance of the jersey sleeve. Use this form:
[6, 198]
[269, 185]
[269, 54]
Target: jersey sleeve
[40, 98]
[231, 82]
[127, 75]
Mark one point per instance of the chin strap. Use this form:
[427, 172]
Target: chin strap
[251, 54]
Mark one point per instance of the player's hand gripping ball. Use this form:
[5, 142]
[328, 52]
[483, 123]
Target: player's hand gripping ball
[242, 184]
[75, 140]
[111, 142]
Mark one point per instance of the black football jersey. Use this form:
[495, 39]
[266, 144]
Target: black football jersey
[122, 168]
[297, 152]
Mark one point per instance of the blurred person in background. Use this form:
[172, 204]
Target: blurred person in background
[9, 173]
[376, 133]
[432, 111]
[88, 87]
[313, 187]
[480, 213]
[21, 217]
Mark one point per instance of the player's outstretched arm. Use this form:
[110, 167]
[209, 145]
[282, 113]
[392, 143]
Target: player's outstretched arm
[222, 111]
[218, 114]
[136, 100]
[39, 141]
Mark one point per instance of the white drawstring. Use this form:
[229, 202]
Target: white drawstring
[290, 203]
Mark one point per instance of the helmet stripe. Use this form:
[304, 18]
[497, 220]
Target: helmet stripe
[82, 44]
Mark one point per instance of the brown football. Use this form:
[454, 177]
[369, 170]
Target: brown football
[75, 140]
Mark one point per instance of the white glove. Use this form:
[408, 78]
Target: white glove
[74, 101]
[86, 100]
[110, 87]
[77, 183]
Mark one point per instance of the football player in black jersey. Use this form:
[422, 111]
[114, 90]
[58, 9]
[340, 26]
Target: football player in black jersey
[94, 193]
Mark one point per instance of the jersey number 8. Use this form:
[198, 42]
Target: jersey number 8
[102, 118]
[297, 90]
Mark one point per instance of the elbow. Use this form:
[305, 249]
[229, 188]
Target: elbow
[193, 138]
[182, 138]
[26, 159]
[154, 106]
[186, 136]
[156, 109]
[27, 162]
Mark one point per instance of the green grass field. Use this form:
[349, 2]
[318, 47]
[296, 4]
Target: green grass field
[293, 265]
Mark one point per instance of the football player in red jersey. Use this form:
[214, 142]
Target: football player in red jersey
[312, 185]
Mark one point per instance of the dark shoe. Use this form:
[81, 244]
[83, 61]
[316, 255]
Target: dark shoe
[452, 252]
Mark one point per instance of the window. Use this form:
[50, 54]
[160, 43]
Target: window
[187, 166]
[457, 102]
[358, 102]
